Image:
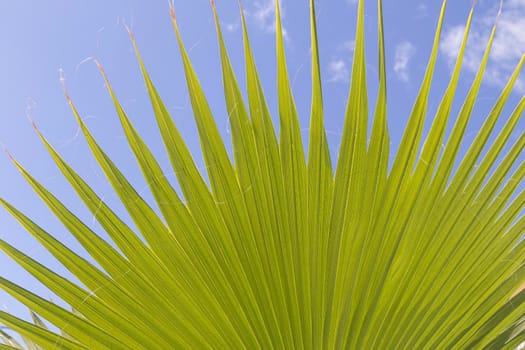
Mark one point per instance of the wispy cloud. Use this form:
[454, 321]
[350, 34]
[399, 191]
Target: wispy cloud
[508, 47]
[232, 26]
[451, 42]
[404, 53]
[421, 10]
[346, 47]
[264, 15]
[338, 71]
[338, 68]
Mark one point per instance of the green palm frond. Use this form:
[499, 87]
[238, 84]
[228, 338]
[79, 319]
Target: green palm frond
[278, 250]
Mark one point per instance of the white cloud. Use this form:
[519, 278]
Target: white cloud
[451, 41]
[232, 27]
[507, 49]
[404, 52]
[338, 71]
[338, 68]
[264, 15]
[421, 10]
[347, 46]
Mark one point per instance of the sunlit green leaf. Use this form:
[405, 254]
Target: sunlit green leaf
[280, 246]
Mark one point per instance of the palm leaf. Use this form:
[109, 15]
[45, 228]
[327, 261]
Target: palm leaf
[279, 249]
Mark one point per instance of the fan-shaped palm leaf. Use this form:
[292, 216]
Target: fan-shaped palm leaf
[279, 250]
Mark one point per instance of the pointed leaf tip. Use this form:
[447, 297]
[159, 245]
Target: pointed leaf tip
[130, 33]
[102, 72]
[172, 13]
[33, 124]
[500, 9]
[11, 157]
[62, 79]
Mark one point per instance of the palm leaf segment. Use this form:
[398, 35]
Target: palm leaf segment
[278, 252]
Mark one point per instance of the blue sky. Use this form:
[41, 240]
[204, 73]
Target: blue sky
[38, 39]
